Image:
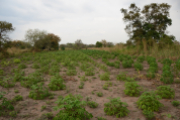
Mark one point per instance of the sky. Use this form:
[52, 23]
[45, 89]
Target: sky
[88, 20]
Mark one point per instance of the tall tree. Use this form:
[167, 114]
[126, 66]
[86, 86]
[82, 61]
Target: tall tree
[149, 23]
[5, 27]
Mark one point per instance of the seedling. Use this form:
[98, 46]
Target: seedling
[165, 92]
[104, 76]
[92, 104]
[99, 94]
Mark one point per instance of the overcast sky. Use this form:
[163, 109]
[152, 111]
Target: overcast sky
[88, 20]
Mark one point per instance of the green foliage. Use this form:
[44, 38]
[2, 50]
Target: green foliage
[13, 113]
[71, 72]
[7, 82]
[81, 85]
[104, 76]
[149, 114]
[83, 78]
[138, 66]
[18, 75]
[16, 61]
[89, 71]
[57, 83]
[167, 62]
[73, 108]
[16, 91]
[98, 44]
[132, 89]
[175, 103]
[46, 116]
[16, 99]
[149, 101]
[127, 63]
[35, 66]
[106, 85]
[54, 69]
[123, 77]
[1, 72]
[101, 118]
[43, 107]
[92, 104]
[140, 59]
[167, 76]
[39, 92]
[165, 92]
[22, 66]
[116, 107]
[99, 94]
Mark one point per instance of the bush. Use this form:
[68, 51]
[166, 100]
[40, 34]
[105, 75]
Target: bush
[175, 103]
[73, 108]
[116, 107]
[138, 66]
[149, 114]
[57, 83]
[92, 104]
[167, 76]
[104, 76]
[127, 63]
[140, 59]
[165, 92]
[149, 101]
[39, 92]
[132, 89]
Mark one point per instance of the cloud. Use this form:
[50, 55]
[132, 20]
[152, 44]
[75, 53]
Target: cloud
[89, 20]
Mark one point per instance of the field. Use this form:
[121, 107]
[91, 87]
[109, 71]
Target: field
[35, 84]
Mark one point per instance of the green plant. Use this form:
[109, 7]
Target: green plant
[140, 59]
[81, 85]
[104, 76]
[167, 76]
[18, 75]
[54, 70]
[7, 82]
[149, 114]
[16, 91]
[13, 113]
[73, 108]
[99, 94]
[16, 99]
[22, 66]
[138, 66]
[39, 92]
[16, 61]
[165, 92]
[83, 78]
[116, 107]
[43, 107]
[46, 116]
[149, 101]
[132, 89]
[35, 66]
[57, 83]
[122, 76]
[106, 85]
[101, 118]
[92, 104]
[89, 71]
[127, 63]
[175, 103]
[1, 72]
[71, 72]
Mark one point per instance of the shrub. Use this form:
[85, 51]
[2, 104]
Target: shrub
[165, 92]
[16, 61]
[140, 59]
[31, 80]
[57, 83]
[127, 63]
[7, 82]
[104, 76]
[138, 66]
[39, 92]
[116, 107]
[122, 76]
[175, 103]
[149, 114]
[22, 66]
[73, 108]
[99, 94]
[149, 101]
[132, 89]
[92, 104]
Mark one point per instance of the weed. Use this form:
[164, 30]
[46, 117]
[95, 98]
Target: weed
[92, 104]
[104, 76]
[89, 71]
[132, 89]
[35, 66]
[81, 85]
[116, 107]
[127, 63]
[56, 83]
[138, 66]
[83, 78]
[140, 59]
[122, 76]
[149, 101]
[16, 91]
[43, 107]
[39, 92]
[165, 92]
[73, 108]
[16, 99]
[71, 72]
[175, 103]
[22, 66]
[16, 61]
[101, 118]
[46, 116]
[7, 82]
[1, 72]
[149, 114]
[99, 94]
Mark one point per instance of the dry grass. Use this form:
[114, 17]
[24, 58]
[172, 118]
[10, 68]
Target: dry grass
[16, 51]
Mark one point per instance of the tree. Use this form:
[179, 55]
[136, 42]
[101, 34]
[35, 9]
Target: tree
[104, 43]
[149, 23]
[98, 44]
[20, 44]
[79, 44]
[5, 27]
[110, 44]
[42, 40]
